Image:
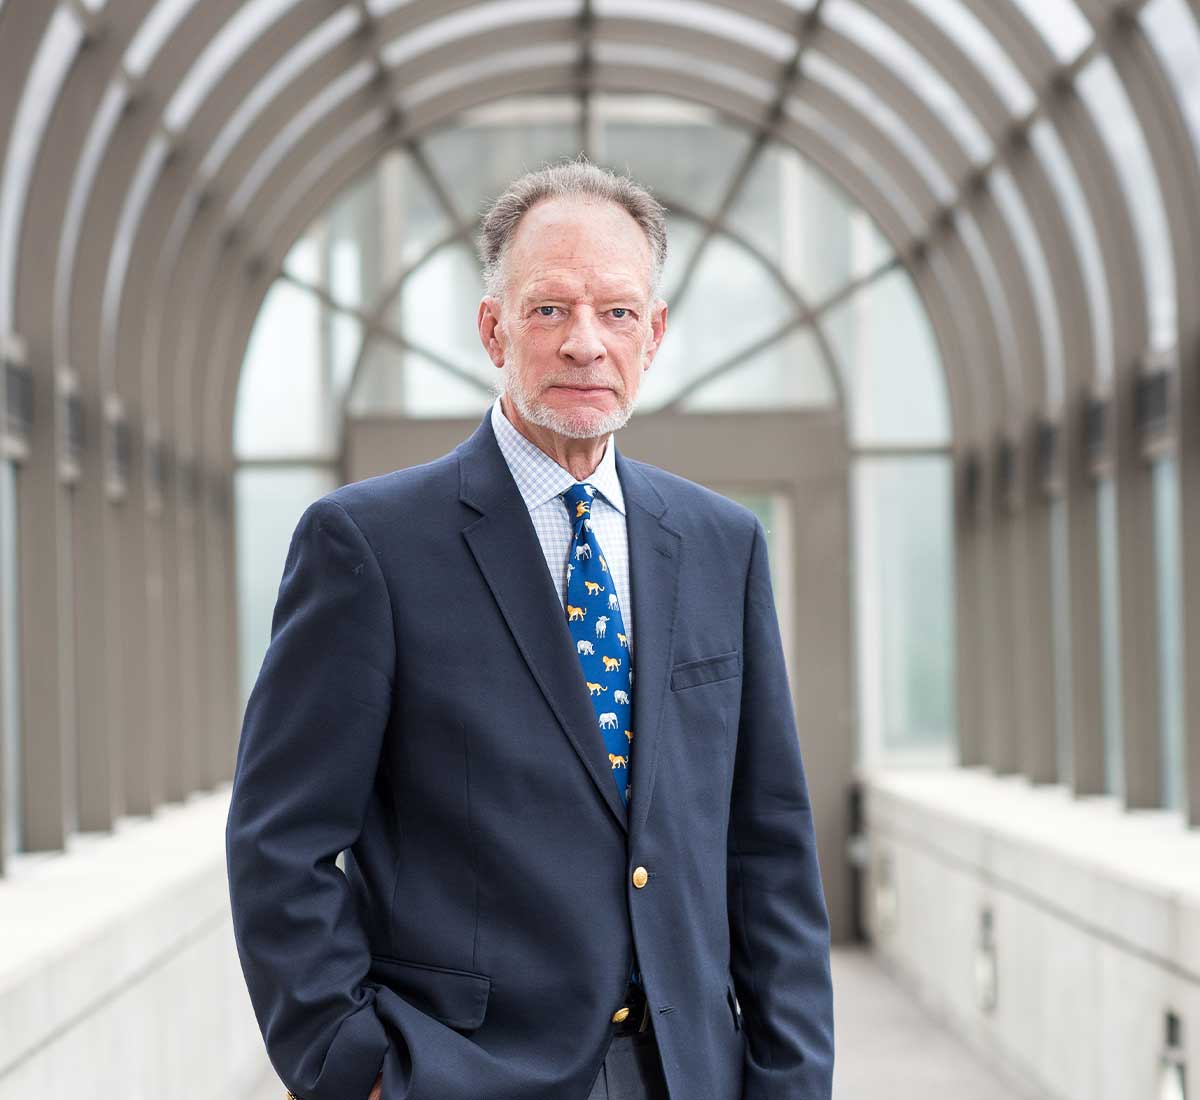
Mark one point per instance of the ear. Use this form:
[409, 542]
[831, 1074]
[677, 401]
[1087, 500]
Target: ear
[491, 329]
[658, 329]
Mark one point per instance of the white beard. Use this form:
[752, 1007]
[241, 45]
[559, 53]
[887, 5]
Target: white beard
[576, 424]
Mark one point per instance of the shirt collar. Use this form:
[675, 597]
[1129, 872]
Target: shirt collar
[539, 478]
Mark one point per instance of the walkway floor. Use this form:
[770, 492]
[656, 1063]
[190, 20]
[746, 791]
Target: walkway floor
[888, 1048]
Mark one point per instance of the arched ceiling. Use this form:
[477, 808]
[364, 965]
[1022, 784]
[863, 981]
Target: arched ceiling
[162, 158]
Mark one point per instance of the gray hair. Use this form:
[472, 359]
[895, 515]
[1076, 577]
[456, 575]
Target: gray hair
[570, 179]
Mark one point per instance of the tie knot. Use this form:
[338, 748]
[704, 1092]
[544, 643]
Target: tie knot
[578, 499]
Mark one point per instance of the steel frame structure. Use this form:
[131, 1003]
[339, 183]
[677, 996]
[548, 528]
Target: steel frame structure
[142, 248]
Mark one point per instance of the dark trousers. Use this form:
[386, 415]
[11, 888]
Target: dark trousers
[631, 1069]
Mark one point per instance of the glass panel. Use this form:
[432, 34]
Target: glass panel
[890, 365]
[1102, 91]
[477, 161]
[472, 20]
[731, 303]
[54, 57]
[406, 383]
[303, 260]
[284, 405]
[679, 151]
[223, 49]
[904, 607]
[268, 503]
[792, 212]
[872, 33]
[516, 65]
[722, 22]
[411, 219]
[790, 374]
[329, 98]
[334, 30]
[740, 81]
[989, 59]
[379, 225]
[1061, 24]
[888, 122]
[343, 337]
[1046, 144]
[438, 306]
[153, 31]
[1173, 30]
[1110, 648]
[683, 237]
[1168, 547]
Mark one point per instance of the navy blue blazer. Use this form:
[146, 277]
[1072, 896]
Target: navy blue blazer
[421, 706]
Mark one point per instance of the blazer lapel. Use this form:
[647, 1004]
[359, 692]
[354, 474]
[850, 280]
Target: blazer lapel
[654, 556]
[509, 556]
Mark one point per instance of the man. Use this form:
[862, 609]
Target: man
[535, 690]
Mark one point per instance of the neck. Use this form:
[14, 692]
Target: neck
[579, 457]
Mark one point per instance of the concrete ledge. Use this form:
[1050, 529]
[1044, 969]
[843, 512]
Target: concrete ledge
[1096, 922]
[119, 976]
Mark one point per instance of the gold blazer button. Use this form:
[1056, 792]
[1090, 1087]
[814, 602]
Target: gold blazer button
[619, 1015]
[640, 877]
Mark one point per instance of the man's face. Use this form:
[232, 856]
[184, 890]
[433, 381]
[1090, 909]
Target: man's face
[576, 325]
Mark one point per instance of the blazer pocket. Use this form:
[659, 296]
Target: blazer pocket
[724, 666]
[456, 997]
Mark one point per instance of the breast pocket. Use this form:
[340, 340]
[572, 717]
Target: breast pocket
[706, 670]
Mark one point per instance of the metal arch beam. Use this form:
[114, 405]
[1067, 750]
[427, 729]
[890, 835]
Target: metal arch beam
[98, 749]
[1044, 202]
[441, 9]
[143, 298]
[806, 27]
[1174, 157]
[552, 83]
[566, 27]
[1140, 658]
[1021, 539]
[149, 776]
[317, 139]
[496, 91]
[1084, 551]
[48, 737]
[273, 252]
[233, 346]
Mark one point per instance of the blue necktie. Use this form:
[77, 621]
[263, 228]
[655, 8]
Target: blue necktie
[596, 625]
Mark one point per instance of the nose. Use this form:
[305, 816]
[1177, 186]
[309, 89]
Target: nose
[582, 345]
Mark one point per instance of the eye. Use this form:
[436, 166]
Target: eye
[620, 312]
[551, 309]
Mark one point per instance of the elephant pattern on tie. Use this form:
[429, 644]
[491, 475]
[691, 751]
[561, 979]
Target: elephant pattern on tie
[592, 607]
[594, 618]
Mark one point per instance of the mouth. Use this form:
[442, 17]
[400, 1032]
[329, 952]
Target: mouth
[583, 389]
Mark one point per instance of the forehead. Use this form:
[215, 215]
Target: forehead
[596, 243]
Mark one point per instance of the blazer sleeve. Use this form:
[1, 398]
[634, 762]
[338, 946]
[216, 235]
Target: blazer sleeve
[306, 763]
[779, 926]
